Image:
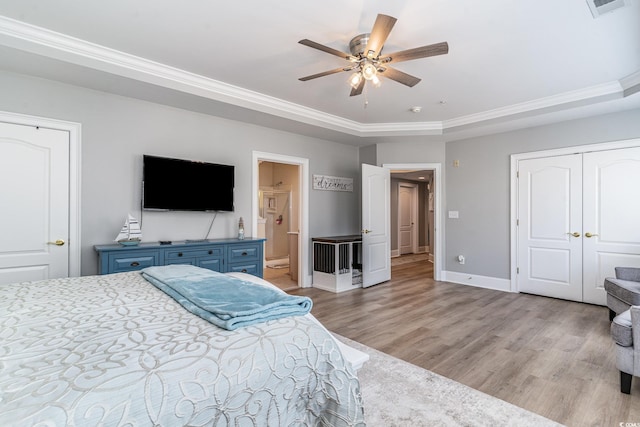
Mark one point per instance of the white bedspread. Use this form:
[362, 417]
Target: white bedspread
[114, 350]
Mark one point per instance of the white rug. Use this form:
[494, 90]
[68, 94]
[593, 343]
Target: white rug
[397, 393]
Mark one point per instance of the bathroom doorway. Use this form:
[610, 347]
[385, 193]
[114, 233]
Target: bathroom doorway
[278, 221]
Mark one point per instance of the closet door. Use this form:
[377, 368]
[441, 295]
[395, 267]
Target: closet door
[611, 181]
[550, 226]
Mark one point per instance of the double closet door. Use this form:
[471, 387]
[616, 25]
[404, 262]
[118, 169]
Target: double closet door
[578, 219]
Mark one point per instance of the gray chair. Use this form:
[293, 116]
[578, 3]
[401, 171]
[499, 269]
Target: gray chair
[625, 331]
[623, 291]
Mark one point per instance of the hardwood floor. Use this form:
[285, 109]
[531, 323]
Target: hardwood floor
[552, 357]
[280, 277]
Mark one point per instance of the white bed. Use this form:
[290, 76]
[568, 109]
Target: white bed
[114, 350]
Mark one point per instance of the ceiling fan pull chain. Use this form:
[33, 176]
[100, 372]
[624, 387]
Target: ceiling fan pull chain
[366, 97]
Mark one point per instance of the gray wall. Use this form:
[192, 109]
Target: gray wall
[116, 131]
[480, 187]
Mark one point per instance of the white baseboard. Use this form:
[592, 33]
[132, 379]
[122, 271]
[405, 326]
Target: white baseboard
[477, 280]
[395, 253]
[423, 249]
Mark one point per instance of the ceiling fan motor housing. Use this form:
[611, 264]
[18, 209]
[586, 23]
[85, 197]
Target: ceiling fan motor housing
[358, 44]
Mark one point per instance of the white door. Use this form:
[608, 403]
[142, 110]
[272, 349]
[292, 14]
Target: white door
[376, 236]
[611, 217]
[550, 227]
[34, 194]
[407, 228]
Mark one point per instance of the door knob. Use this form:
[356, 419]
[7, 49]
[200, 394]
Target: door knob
[58, 242]
[589, 235]
[575, 234]
[365, 231]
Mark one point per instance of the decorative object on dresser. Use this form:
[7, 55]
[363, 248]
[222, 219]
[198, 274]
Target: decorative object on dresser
[130, 234]
[222, 255]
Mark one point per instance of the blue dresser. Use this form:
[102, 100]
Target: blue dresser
[223, 255]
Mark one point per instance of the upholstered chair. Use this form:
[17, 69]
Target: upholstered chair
[623, 291]
[625, 331]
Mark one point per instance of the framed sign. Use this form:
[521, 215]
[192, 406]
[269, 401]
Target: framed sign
[332, 183]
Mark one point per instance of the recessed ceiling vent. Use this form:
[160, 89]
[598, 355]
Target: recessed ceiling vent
[599, 7]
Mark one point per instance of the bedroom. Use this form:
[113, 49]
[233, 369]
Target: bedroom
[122, 120]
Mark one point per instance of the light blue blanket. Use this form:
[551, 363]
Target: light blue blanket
[225, 301]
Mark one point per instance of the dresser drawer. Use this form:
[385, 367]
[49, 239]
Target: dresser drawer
[133, 262]
[242, 254]
[246, 268]
[177, 254]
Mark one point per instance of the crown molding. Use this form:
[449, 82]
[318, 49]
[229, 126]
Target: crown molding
[19, 35]
[576, 98]
[631, 83]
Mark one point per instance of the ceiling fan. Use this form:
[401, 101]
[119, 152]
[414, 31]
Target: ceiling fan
[367, 61]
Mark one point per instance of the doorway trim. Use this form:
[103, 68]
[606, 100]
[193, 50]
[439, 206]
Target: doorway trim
[74, 130]
[437, 215]
[304, 278]
[515, 159]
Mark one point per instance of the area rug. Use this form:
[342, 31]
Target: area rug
[397, 393]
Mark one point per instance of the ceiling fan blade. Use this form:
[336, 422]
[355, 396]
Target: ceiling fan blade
[400, 77]
[327, 49]
[324, 73]
[418, 52]
[381, 29]
[358, 90]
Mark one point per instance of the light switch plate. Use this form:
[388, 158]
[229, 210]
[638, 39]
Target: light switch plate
[453, 214]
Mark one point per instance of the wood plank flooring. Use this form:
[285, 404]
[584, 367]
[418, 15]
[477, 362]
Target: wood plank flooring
[550, 356]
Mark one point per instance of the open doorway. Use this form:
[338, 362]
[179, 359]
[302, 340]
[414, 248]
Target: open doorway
[278, 198]
[415, 236]
[280, 201]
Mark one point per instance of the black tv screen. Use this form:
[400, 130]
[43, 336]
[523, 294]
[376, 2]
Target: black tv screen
[185, 185]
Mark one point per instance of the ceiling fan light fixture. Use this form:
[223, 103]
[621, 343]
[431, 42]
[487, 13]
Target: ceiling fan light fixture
[376, 81]
[369, 71]
[355, 79]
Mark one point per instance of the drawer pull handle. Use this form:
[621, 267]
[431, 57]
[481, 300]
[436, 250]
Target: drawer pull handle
[244, 254]
[210, 252]
[244, 270]
[179, 253]
[135, 264]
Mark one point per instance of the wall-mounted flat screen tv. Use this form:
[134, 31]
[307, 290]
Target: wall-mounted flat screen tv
[186, 185]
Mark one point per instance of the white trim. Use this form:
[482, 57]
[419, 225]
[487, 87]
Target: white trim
[438, 249]
[74, 129]
[513, 173]
[631, 83]
[477, 281]
[51, 44]
[304, 276]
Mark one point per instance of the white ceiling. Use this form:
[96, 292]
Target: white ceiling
[511, 64]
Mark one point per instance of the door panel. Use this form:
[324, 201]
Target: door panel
[405, 219]
[611, 215]
[549, 210]
[34, 189]
[376, 235]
